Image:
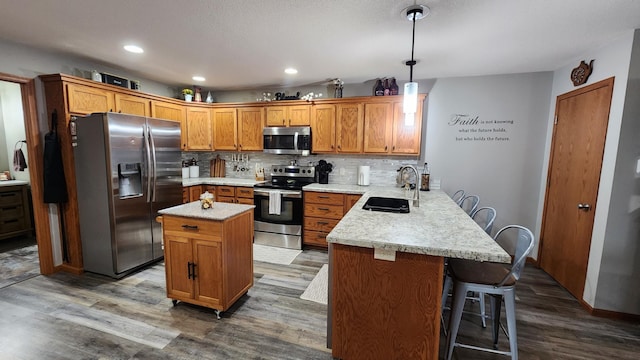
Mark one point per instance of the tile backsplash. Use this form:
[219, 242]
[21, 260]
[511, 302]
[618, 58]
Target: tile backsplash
[345, 168]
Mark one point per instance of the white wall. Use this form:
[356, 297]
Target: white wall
[610, 60]
[503, 168]
[12, 119]
[28, 62]
[620, 262]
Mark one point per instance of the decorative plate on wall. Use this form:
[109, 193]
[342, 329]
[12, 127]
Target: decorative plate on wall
[580, 74]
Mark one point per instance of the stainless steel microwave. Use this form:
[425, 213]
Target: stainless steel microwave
[287, 140]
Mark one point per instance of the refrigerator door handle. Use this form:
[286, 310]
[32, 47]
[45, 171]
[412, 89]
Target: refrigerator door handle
[154, 164]
[145, 135]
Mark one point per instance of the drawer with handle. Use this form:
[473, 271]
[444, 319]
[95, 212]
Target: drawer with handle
[324, 198]
[319, 224]
[324, 211]
[192, 228]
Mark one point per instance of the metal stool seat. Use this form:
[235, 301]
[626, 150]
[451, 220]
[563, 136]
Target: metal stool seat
[496, 280]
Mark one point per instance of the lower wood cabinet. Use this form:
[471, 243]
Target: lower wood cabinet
[234, 194]
[192, 193]
[208, 262]
[15, 217]
[322, 212]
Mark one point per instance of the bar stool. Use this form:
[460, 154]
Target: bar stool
[458, 196]
[484, 216]
[494, 279]
[469, 203]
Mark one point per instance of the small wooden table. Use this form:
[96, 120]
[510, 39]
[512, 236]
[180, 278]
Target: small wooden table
[208, 253]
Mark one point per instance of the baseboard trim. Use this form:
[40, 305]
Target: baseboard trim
[68, 268]
[608, 314]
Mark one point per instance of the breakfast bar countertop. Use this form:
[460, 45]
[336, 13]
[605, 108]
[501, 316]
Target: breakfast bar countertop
[438, 227]
[219, 211]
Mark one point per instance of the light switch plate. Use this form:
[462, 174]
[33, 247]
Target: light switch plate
[384, 254]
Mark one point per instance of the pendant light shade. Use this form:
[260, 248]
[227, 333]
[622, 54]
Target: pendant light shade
[410, 104]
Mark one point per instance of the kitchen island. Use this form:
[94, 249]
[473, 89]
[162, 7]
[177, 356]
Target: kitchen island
[208, 253]
[386, 273]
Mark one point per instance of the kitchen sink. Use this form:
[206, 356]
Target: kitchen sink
[394, 205]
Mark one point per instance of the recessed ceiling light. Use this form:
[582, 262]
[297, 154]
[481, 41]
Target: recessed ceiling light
[134, 49]
[290, 71]
[198, 78]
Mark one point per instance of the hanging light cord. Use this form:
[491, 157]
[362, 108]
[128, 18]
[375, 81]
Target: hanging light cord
[410, 63]
[413, 40]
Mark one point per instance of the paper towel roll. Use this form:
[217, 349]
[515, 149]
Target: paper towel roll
[363, 175]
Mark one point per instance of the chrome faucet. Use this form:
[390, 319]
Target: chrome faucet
[416, 193]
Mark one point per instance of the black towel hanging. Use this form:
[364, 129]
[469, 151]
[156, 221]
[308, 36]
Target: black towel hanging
[55, 186]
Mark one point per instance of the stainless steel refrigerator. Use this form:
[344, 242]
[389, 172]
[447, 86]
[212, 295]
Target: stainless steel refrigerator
[127, 168]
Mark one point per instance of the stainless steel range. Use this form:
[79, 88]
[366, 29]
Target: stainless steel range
[278, 213]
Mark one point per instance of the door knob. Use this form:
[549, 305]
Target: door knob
[584, 207]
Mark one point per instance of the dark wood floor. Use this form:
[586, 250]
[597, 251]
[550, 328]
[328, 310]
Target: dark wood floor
[93, 317]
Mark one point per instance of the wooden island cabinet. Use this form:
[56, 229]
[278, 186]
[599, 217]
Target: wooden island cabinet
[208, 253]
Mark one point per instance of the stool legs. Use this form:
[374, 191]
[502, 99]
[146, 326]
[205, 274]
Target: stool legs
[510, 309]
[496, 303]
[457, 305]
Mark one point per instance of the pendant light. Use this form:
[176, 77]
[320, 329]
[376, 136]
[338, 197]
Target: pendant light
[410, 104]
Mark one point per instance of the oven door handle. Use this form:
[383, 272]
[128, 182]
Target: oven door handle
[285, 194]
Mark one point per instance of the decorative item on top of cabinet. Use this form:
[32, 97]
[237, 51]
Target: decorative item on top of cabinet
[188, 94]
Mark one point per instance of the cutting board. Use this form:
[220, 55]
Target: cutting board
[217, 167]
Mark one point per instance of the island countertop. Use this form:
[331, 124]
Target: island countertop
[219, 211]
[438, 227]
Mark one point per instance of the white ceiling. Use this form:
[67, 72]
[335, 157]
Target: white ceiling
[248, 43]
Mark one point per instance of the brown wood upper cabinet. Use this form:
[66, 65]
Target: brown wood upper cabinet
[385, 131]
[133, 105]
[86, 100]
[199, 130]
[289, 115]
[238, 129]
[250, 124]
[225, 129]
[377, 127]
[337, 128]
[167, 111]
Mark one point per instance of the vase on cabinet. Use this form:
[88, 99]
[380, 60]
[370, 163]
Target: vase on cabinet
[188, 97]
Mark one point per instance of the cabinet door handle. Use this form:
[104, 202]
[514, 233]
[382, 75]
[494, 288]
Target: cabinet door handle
[189, 270]
[190, 227]
[323, 209]
[322, 223]
[193, 270]
[322, 197]
[385, 148]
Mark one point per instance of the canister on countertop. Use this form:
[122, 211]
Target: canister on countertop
[185, 169]
[363, 175]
